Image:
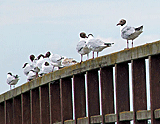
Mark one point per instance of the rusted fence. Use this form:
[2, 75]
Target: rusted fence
[84, 93]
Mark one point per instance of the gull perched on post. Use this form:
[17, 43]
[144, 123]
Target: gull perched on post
[82, 47]
[128, 32]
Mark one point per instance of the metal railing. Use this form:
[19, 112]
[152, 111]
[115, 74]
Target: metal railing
[84, 93]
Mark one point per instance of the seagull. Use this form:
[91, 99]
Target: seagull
[40, 61]
[97, 45]
[46, 68]
[31, 75]
[26, 68]
[68, 61]
[82, 47]
[33, 64]
[128, 32]
[33, 60]
[54, 58]
[12, 79]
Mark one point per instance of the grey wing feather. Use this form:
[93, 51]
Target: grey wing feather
[80, 45]
[10, 79]
[127, 31]
[94, 43]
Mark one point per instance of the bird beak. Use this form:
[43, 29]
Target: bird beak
[86, 37]
[118, 24]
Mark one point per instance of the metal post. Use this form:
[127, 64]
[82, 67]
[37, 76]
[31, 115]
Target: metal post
[107, 91]
[139, 88]
[93, 93]
[122, 89]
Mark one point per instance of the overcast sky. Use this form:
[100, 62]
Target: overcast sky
[37, 26]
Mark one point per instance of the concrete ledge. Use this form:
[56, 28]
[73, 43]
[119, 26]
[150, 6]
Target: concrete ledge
[157, 114]
[109, 118]
[83, 120]
[143, 114]
[96, 119]
[2, 98]
[25, 87]
[8, 95]
[69, 122]
[126, 116]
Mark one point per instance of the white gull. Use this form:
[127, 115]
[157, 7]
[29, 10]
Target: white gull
[97, 45]
[128, 32]
[82, 47]
[12, 79]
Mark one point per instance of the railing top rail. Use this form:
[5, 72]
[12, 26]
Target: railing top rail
[126, 55]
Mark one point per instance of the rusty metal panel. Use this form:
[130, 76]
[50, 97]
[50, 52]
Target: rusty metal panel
[66, 99]
[35, 101]
[139, 88]
[55, 102]
[45, 109]
[2, 113]
[79, 96]
[107, 91]
[26, 108]
[93, 93]
[9, 111]
[122, 89]
[17, 110]
[154, 68]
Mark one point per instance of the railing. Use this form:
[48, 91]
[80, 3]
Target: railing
[84, 93]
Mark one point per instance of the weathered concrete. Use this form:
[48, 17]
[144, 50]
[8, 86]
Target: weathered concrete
[84, 120]
[109, 118]
[143, 114]
[69, 122]
[96, 119]
[157, 113]
[126, 116]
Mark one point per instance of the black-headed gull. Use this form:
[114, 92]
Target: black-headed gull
[54, 58]
[128, 32]
[82, 47]
[40, 61]
[33, 60]
[12, 79]
[46, 68]
[26, 68]
[31, 75]
[34, 65]
[96, 45]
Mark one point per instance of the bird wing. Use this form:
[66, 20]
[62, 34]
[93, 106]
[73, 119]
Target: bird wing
[95, 43]
[10, 79]
[81, 44]
[127, 31]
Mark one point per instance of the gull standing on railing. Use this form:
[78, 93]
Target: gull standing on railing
[128, 32]
[12, 79]
[82, 47]
[96, 45]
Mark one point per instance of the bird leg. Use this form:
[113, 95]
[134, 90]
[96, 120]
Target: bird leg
[87, 56]
[10, 87]
[132, 43]
[81, 57]
[97, 54]
[93, 55]
[127, 44]
[36, 74]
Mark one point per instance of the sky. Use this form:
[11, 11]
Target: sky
[37, 26]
